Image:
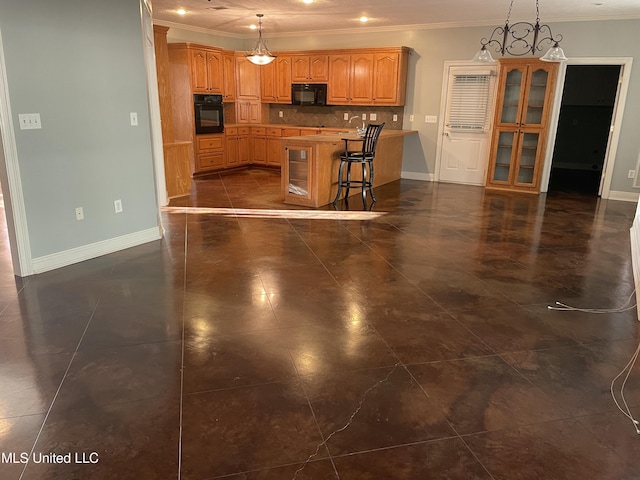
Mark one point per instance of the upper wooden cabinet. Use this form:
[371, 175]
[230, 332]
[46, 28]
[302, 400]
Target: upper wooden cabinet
[206, 71]
[247, 79]
[309, 68]
[229, 77]
[368, 77]
[275, 81]
[350, 79]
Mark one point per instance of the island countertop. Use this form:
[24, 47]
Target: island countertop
[310, 164]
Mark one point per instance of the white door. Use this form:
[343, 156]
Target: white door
[466, 133]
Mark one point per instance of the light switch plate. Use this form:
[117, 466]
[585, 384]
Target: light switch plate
[430, 119]
[29, 121]
[373, 116]
[133, 116]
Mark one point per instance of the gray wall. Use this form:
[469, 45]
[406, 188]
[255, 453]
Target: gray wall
[432, 47]
[79, 63]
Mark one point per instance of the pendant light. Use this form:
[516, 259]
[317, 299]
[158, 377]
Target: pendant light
[516, 40]
[260, 55]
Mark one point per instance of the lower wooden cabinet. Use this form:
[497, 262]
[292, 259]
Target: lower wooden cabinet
[209, 153]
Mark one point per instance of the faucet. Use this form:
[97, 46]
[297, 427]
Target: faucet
[359, 131]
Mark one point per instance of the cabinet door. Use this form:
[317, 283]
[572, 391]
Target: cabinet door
[283, 79]
[259, 150]
[214, 72]
[232, 159]
[537, 93]
[248, 79]
[511, 93]
[300, 69]
[296, 174]
[503, 158]
[255, 112]
[199, 71]
[229, 78]
[339, 79]
[385, 78]
[274, 151]
[268, 82]
[244, 150]
[319, 68]
[361, 91]
[529, 157]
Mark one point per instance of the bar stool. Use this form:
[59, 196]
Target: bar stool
[365, 158]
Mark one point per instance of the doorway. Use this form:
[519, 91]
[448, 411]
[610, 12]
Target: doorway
[584, 125]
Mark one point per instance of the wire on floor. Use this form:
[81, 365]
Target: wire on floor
[626, 411]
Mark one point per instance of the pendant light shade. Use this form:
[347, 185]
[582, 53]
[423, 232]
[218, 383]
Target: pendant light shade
[260, 55]
[554, 54]
[483, 56]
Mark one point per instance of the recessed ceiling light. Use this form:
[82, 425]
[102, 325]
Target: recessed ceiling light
[253, 27]
[181, 11]
[364, 19]
[307, 1]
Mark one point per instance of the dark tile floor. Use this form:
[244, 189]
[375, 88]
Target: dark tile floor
[273, 342]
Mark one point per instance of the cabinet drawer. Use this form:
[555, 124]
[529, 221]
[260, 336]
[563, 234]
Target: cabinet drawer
[290, 132]
[274, 132]
[309, 131]
[208, 162]
[244, 130]
[258, 131]
[230, 131]
[210, 143]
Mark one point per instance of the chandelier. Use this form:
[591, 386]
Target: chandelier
[260, 55]
[522, 38]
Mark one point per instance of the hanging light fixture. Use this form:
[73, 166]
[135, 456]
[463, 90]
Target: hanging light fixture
[260, 55]
[516, 40]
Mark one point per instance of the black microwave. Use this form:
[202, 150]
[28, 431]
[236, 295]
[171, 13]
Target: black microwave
[309, 94]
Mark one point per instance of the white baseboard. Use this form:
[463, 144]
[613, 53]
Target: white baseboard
[624, 196]
[425, 177]
[93, 250]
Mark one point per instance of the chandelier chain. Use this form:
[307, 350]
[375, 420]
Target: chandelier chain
[509, 13]
[537, 11]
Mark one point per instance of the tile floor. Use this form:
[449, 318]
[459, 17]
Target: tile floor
[410, 342]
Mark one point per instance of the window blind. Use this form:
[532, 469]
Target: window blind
[469, 102]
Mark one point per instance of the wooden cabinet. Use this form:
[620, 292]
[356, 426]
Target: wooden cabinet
[259, 145]
[525, 96]
[209, 152]
[250, 111]
[206, 71]
[390, 78]
[275, 81]
[309, 68]
[247, 79]
[274, 146]
[350, 79]
[229, 77]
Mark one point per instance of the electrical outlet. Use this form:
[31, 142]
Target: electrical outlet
[345, 116]
[79, 213]
[373, 116]
[395, 118]
[631, 174]
[133, 116]
[411, 118]
[280, 114]
[117, 205]
[363, 117]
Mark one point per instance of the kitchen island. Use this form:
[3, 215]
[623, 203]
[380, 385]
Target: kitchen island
[310, 165]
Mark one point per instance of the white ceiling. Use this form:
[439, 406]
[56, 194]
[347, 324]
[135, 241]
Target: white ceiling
[289, 16]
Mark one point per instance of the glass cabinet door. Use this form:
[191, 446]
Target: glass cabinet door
[506, 147]
[537, 91]
[511, 98]
[298, 161]
[529, 149]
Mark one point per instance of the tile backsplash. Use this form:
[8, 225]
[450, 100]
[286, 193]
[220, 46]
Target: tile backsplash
[333, 116]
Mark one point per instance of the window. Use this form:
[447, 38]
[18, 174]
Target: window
[469, 102]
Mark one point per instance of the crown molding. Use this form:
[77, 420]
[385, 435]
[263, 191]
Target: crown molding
[206, 31]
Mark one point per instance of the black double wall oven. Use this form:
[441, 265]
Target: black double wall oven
[209, 115]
